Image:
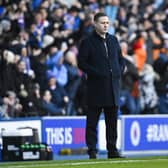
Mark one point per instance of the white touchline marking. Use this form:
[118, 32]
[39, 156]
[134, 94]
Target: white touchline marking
[81, 163]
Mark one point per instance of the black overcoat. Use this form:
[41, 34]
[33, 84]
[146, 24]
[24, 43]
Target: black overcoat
[103, 66]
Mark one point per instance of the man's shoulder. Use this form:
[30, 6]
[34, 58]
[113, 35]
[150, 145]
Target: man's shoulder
[111, 36]
[86, 40]
[88, 37]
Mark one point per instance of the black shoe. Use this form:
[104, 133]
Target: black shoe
[114, 154]
[92, 155]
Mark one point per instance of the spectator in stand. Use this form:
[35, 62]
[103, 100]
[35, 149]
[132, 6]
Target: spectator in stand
[26, 58]
[57, 21]
[122, 17]
[39, 67]
[74, 79]
[161, 67]
[7, 76]
[140, 52]
[36, 4]
[39, 30]
[35, 103]
[72, 20]
[148, 94]
[86, 26]
[23, 86]
[157, 43]
[131, 104]
[162, 91]
[59, 94]
[49, 107]
[56, 66]
[112, 9]
[10, 106]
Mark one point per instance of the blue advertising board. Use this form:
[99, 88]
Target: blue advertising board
[145, 134]
[64, 132]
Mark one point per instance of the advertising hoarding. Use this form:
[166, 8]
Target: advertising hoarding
[64, 132]
[145, 134]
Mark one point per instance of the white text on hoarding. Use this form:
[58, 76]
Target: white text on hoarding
[59, 136]
[157, 133]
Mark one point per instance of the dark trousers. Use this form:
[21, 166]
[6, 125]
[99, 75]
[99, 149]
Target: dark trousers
[93, 115]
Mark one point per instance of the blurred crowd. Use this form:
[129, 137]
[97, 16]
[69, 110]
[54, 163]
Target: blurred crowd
[39, 39]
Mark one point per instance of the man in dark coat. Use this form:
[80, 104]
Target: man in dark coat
[100, 58]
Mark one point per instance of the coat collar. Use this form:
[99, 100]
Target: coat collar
[99, 37]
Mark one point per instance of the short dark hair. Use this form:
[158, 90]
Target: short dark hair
[98, 15]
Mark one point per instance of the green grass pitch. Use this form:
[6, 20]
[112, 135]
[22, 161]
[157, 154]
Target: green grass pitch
[147, 162]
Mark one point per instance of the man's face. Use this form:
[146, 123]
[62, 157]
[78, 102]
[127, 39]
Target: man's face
[102, 25]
